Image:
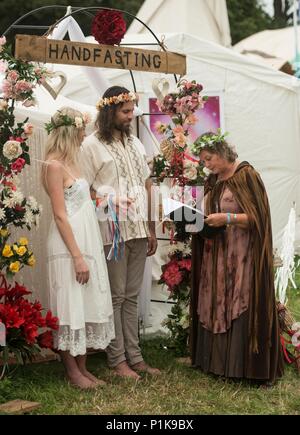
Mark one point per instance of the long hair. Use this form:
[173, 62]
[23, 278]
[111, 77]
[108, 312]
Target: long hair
[105, 122]
[64, 141]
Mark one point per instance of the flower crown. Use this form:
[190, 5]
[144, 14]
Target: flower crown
[65, 120]
[208, 141]
[121, 98]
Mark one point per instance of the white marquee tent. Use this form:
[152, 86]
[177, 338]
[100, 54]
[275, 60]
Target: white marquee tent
[207, 19]
[277, 46]
[261, 109]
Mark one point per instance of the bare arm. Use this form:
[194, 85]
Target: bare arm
[55, 189]
[220, 219]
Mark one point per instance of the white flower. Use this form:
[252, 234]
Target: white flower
[8, 202]
[17, 197]
[185, 248]
[3, 104]
[78, 122]
[133, 96]
[87, 119]
[190, 172]
[206, 171]
[29, 218]
[13, 198]
[2, 213]
[12, 149]
[187, 251]
[178, 247]
[184, 321]
[32, 203]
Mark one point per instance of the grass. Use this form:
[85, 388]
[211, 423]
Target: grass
[180, 390]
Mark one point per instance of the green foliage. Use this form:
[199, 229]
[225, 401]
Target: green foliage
[282, 13]
[246, 18]
[48, 17]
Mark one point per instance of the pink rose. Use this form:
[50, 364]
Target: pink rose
[172, 275]
[28, 129]
[18, 165]
[12, 76]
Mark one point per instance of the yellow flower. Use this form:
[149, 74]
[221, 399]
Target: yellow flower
[7, 252]
[23, 241]
[14, 267]
[31, 261]
[3, 232]
[15, 248]
[21, 250]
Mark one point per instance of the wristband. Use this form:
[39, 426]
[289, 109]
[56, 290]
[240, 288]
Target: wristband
[228, 218]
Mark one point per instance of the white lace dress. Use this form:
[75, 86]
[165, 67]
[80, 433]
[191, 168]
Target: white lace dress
[85, 311]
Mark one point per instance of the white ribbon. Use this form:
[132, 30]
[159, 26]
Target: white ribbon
[96, 80]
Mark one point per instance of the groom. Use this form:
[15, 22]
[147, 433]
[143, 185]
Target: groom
[114, 160]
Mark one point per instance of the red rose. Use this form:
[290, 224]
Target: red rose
[185, 264]
[108, 27]
[172, 275]
[18, 165]
[45, 340]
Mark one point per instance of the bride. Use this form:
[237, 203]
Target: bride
[79, 287]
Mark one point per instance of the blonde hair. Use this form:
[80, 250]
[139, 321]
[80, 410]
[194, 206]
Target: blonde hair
[64, 141]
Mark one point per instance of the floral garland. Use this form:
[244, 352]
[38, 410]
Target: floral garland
[20, 318]
[206, 141]
[122, 98]
[177, 276]
[177, 162]
[65, 120]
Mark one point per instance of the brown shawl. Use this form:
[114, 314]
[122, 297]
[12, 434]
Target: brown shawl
[249, 192]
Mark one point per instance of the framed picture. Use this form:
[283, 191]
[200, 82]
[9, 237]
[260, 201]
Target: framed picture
[210, 118]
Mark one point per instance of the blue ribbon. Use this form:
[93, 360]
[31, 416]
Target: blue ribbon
[117, 250]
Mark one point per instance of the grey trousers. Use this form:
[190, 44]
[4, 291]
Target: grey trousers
[126, 277]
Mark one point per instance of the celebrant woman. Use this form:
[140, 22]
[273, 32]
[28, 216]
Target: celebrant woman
[234, 330]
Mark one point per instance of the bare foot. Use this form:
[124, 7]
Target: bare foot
[81, 381]
[125, 371]
[92, 378]
[143, 367]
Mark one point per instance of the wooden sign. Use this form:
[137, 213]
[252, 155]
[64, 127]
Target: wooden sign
[40, 49]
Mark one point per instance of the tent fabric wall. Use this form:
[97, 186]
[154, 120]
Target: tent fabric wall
[279, 43]
[207, 19]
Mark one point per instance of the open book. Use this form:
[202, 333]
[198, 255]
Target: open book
[179, 212]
